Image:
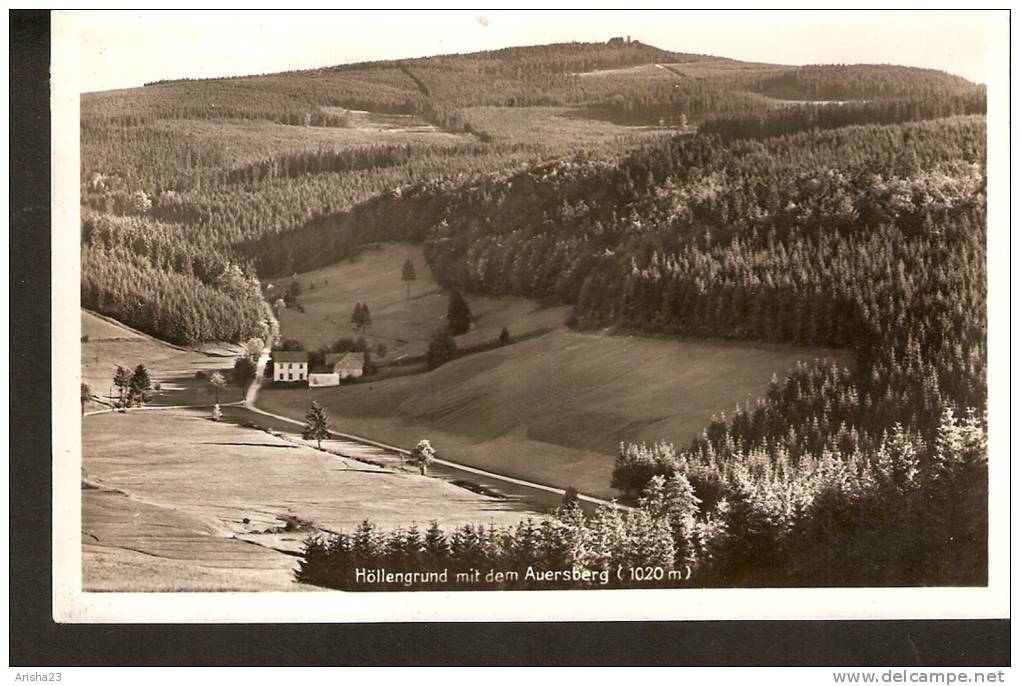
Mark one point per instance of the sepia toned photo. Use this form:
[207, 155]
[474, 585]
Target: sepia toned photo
[453, 303]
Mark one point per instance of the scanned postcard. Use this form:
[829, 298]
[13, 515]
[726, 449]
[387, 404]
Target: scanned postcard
[437, 316]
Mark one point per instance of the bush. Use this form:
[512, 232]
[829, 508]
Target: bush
[200, 375]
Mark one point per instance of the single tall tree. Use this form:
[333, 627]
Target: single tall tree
[442, 347]
[254, 347]
[316, 425]
[407, 275]
[219, 383]
[86, 395]
[361, 317]
[122, 380]
[244, 372]
[458, 314]
[422, 455]
[140, 384]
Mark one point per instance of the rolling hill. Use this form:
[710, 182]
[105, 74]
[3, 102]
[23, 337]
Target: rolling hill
[555, 409]
[733, 214]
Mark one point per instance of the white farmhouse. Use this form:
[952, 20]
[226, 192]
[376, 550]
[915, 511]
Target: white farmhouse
[290, 365]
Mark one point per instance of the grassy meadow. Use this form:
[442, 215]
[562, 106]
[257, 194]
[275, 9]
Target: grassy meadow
[174, 501]
[552, 408]
[110, 344]
[404, 325]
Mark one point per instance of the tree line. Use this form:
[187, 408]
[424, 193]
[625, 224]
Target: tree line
[895, 517]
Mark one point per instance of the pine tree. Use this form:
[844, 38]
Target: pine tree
[437, 548]
[316, 425]
[673, 501]
[504, 336]
[140, 384]
[458, 314]
[442, 348]
[122, 380]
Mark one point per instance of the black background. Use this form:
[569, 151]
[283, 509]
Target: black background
[36, 640]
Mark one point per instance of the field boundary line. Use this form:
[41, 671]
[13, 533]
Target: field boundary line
[447, 463]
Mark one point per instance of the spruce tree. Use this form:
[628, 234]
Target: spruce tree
[316, 425]
[442, 348]
[140, 384]
[122, 380]
[458, 314]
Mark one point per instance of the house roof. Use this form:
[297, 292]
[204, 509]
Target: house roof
[290, 356]
[350, 361]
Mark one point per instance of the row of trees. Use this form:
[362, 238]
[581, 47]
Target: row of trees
[132, 387]
[896, 516]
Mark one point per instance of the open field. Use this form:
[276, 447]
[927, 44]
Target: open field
[252, 140]
[111, 344]
[173, 501]
[565, 128]
[553, 409]
[404, 326]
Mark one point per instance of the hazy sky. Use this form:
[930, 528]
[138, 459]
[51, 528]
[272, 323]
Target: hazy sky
[124, 49]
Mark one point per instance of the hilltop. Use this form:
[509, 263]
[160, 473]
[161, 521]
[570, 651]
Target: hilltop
[711, 207]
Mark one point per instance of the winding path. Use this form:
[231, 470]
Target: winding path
[251, 395]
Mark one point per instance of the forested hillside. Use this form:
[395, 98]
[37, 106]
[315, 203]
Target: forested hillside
[870, 238]
[838, 206]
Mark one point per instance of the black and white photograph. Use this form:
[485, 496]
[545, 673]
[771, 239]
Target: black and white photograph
[385, 316]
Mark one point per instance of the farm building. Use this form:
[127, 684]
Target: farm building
[290, 365]
[338, 366]
[347, 365]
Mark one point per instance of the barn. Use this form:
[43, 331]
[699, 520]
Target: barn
[338, 366]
